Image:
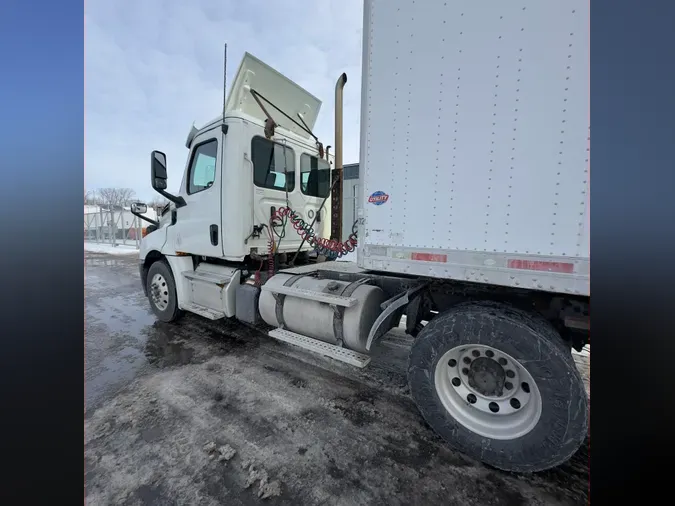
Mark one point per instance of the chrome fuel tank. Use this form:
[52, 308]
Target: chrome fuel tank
[318, 319]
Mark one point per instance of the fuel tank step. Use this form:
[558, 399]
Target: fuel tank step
[329, 350]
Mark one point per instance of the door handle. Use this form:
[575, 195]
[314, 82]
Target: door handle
[213, 232]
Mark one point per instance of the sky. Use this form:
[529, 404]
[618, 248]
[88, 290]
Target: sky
[154, 67]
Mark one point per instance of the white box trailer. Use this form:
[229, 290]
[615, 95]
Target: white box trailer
[475, 142]
[473, 226]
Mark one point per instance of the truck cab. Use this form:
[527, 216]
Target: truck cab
[238, 174]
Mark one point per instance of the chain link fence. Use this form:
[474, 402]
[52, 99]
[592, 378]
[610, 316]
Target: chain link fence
[113, 227]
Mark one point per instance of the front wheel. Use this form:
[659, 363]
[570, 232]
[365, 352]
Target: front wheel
[162, 292]
[500, 385]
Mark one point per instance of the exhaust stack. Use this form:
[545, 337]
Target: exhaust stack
[336, 195]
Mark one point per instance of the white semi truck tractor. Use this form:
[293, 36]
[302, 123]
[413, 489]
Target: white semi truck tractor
[473, 223]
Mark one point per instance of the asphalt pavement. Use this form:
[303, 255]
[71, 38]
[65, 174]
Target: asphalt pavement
[215, 412]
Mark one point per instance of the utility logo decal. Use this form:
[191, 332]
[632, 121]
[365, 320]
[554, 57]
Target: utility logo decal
[378, 198]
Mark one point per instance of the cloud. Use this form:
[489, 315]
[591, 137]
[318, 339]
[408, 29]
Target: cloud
[152, 68]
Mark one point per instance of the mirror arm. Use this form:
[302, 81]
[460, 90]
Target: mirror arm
[144, 218]
[179, 201]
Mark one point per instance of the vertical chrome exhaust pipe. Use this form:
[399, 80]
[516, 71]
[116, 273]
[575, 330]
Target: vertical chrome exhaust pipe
[339, 86]
[336, 197]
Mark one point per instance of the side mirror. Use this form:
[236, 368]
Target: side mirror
[139, 208]
[158, 178]
[158, 170]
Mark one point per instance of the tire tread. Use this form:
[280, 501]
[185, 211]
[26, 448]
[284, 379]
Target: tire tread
[555, 366]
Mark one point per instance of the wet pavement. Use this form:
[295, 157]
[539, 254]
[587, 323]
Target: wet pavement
[117, 326]
[204, 412]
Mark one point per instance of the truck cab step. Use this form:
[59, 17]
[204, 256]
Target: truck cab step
[329, 350]
[301, 293]
[206, 312]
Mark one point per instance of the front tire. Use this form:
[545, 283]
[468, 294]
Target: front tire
[161, 289]
[500, 385]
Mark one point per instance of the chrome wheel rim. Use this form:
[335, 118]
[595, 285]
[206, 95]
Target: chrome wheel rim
[159, 292]
[488, 391]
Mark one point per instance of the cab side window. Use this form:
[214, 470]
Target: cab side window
[203, 167]
[273, 165]
[314, 176]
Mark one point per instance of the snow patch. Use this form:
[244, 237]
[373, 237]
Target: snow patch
[258, 475]
[120, 249]
[226, 453]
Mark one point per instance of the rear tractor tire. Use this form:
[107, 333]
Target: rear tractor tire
[500, 385]
[161, 288]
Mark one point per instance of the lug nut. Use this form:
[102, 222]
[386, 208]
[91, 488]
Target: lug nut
[489, 353]
[510, 373]
[475, 353]
[508, 385]
[502, 361]
[465, 371]
[467, 360]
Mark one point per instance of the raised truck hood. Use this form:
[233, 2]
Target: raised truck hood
[275, 87]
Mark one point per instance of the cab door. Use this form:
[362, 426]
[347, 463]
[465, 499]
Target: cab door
[199, 230]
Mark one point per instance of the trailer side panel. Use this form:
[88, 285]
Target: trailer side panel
[475, 142]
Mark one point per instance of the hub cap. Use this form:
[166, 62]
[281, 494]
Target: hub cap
[159, 292]
[488, 392]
